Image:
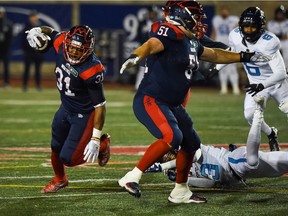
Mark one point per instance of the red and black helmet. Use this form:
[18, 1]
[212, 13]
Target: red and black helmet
[189, 14]
[78, 44]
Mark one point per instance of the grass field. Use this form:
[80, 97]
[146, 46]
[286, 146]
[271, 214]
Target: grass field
[25, 120]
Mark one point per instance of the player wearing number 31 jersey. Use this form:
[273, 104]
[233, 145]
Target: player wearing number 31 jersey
[77, 125]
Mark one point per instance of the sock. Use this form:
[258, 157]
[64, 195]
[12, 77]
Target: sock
[168, 165]
[58, 167]
[183, 165]
[181, 190]
[134, 175]
[153, 154]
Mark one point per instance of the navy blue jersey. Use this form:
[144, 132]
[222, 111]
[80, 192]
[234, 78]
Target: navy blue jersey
[169, 74]
[208, 42]
[80, 86]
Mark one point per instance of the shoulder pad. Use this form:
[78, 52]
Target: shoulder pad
[58, 40]
[170, 31]
[270, 43]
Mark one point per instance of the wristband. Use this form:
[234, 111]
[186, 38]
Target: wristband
[96, 134]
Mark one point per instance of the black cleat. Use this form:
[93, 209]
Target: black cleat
[273, 142]
[156, 167]
[133, 189]
[232, 147]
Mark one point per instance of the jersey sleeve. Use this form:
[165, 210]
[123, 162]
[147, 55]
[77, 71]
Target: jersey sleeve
[272, 45]
[208, 42]
[166, 33]
[58, 38]
[93, 78]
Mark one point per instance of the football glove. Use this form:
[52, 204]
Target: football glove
[91, 151]
[132, 60]
[254, 57]
[253, 89]
[32, 37]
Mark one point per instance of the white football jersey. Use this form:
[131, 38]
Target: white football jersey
[215, 166]
[223, 27]
[267, 73]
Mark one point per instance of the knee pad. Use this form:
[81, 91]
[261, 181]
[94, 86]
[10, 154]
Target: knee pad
[66, 161]
[177, 139]
[56, 147]
[283, 106]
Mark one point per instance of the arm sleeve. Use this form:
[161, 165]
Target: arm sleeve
[93, 78]
[279, 72]
[208, 42]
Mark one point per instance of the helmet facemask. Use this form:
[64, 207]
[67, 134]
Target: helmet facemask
[252, 17]
[78, 44]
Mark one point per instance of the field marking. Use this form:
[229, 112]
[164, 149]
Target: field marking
[130, 150]
[52, 103]
[152, 188]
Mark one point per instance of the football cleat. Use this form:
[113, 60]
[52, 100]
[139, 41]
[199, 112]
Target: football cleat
[54, 186]
[194, 198]
[104, 152]
[131, 187]
[171, 173]
[273, 142]
[156, 167]
[232, 147]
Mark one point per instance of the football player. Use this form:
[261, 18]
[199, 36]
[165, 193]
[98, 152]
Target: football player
[77, 124]
[266, 79]
[279, 26]
[172, 56]
[222, 25]
[214, 166]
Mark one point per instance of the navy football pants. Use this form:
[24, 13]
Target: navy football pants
[172, 124]
[71, 132]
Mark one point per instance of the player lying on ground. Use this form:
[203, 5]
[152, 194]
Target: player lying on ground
[215, 166]
[78, 123]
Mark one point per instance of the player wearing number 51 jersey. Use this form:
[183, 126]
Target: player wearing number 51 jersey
[172, 54]
[77, 125]
[268, 79]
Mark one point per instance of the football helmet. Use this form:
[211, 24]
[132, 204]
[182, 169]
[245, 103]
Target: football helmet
[252, 17]
[188, 14]
[78, 44]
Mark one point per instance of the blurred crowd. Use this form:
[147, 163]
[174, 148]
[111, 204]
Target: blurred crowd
[222, 23]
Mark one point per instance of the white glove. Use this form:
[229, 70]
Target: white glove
[259, 57]
[129, 62]
[32, 35]
[91, 151]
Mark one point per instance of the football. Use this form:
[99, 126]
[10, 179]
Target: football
[44, 44]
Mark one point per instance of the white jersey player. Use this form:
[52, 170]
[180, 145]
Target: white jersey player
[279, 26]
[222, 26]
[266, 79]
[215, 166]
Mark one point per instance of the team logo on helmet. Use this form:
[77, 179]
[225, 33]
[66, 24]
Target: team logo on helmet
[189, 14]
[252, 17]
[78, 44]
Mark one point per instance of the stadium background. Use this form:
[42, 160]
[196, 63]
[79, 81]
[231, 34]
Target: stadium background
[115, 25]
